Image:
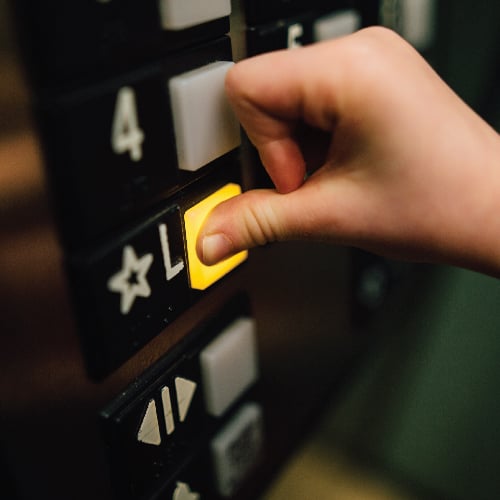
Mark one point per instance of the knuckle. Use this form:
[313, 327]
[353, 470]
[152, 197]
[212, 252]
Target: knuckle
[260, 222]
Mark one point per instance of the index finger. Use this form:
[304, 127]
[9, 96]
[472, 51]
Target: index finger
[271, 94]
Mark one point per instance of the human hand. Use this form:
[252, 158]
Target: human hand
[407, 169]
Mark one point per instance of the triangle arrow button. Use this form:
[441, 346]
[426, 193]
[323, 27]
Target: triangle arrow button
[185, 391]
[149, 431]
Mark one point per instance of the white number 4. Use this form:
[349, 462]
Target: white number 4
[126, 135]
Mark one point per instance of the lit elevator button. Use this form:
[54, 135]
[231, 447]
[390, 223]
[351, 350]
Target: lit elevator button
[200, 275]
[204, 124]
[180, 14]
[229, 365]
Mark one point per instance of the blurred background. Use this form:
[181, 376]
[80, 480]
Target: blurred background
[420, 416]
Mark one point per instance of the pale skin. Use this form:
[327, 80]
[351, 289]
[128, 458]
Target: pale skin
[398, 164]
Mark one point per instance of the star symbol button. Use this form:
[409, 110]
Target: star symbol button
[131, 280]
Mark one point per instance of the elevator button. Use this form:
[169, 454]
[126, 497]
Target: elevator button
[200, 275]
[185, 390]
[336, 25]
[204, 124]
[181, 14]
[229, 365]
[236, 449]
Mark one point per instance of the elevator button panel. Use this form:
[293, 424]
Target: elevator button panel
[116, 153]
[127, 290]
[140, 144]
[157, 428]
[132, 287]
[111, 147]
[204, 123]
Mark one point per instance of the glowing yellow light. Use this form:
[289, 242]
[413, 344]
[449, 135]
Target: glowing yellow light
[200, 275]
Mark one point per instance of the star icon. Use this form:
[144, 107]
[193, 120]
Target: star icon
[131, 280]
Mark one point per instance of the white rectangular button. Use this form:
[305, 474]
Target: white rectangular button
[336, 25]
[417, 22]
[204, 124]
[181, 14]
[229, 365]
[236, 449]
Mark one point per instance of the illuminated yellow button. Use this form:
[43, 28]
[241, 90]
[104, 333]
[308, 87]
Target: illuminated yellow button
[200, 275]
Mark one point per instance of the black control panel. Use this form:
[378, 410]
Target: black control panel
[115, 161]
[69, 44]
[187, 423]
[159, 377]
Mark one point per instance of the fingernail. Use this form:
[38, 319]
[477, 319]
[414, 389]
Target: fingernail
[216, 247]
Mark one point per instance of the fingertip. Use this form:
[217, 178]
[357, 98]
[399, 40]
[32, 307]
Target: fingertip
[285, 164]
[288, 185]
[213, 248]
[213, 244]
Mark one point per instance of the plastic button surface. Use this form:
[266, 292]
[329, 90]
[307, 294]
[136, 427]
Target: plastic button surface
[337, 24]
[204, 124]
[229, 365]
[181, 14]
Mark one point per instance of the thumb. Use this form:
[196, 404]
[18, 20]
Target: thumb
[262, 216]
[253, 218]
